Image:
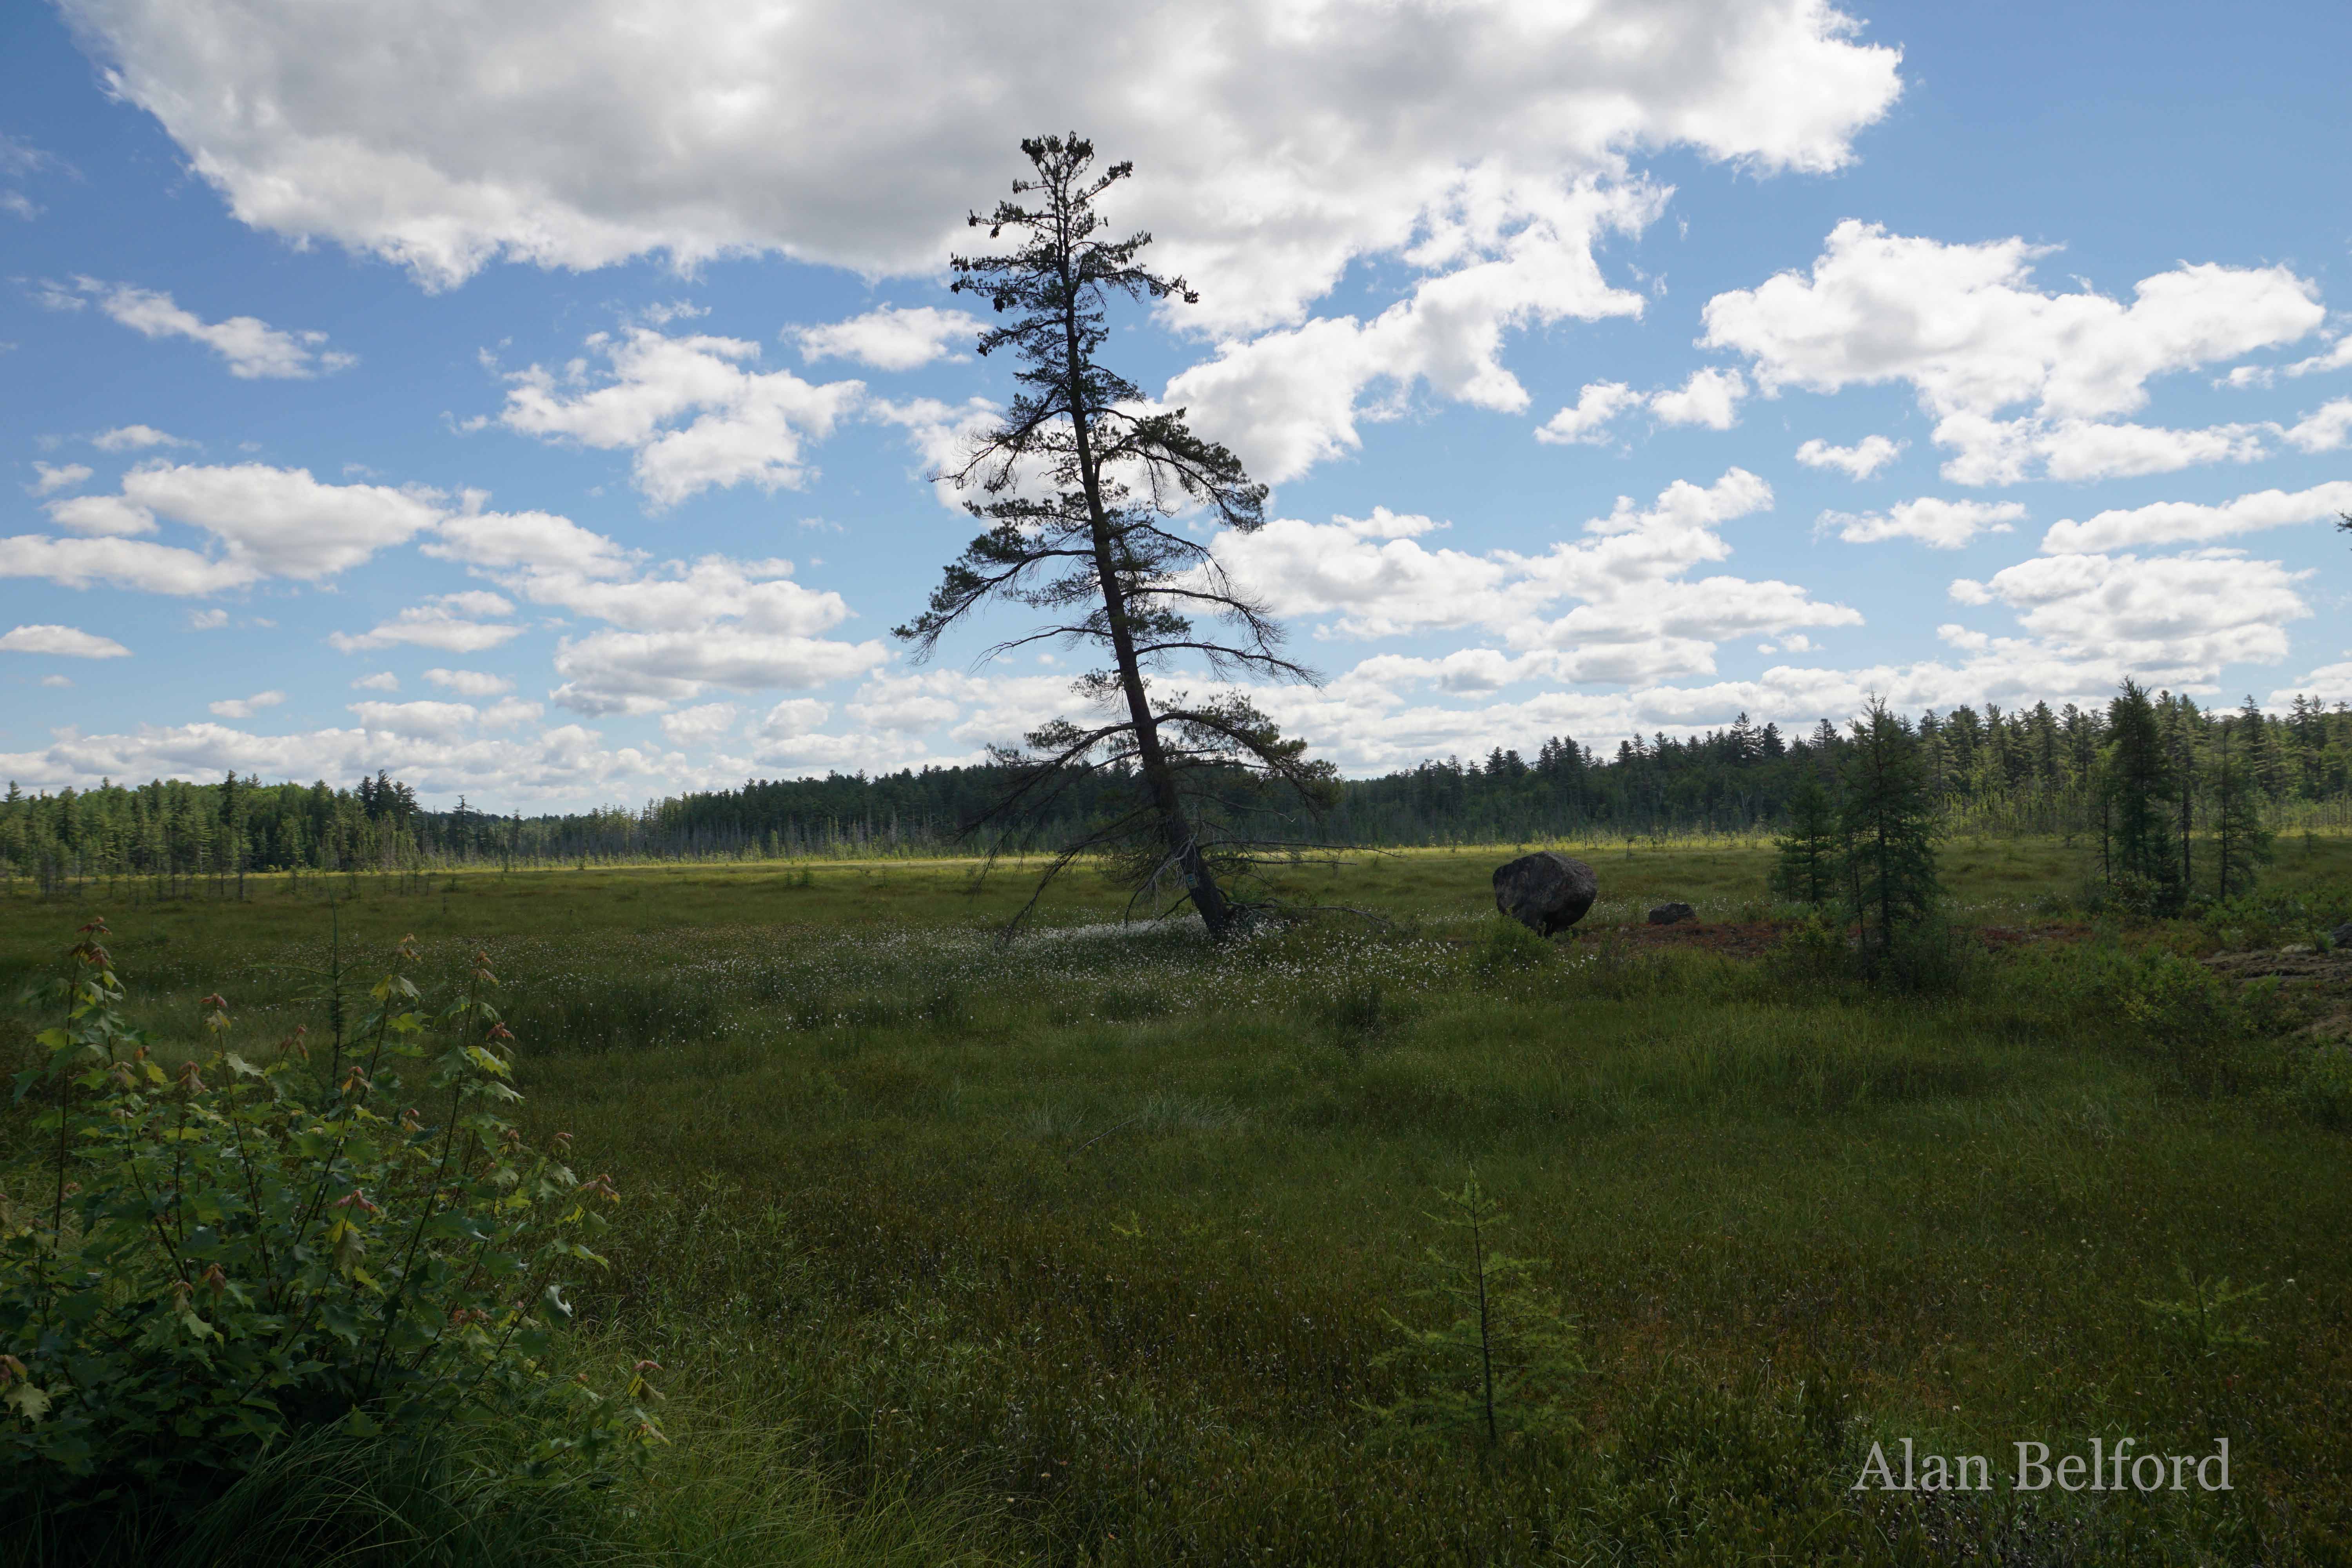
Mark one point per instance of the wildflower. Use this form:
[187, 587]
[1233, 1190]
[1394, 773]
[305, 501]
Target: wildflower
[356, 1199]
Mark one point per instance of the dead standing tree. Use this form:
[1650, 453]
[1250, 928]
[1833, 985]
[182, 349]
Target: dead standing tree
[1082, 481]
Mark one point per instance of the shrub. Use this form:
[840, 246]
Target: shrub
[2206, 1026]
[204, 1266]
[1512, 946]
[2320, 1085]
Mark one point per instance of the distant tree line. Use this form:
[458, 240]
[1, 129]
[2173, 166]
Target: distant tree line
[2176, 800]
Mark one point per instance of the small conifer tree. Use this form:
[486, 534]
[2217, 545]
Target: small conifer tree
[1887, 821]
[2241, 844]
[2140, 787]
[1501, 1369]
[1806, 869]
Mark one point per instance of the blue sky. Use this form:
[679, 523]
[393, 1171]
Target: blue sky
[539, 404]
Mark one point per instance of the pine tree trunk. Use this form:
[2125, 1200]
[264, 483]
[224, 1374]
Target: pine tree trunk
[1159, 780]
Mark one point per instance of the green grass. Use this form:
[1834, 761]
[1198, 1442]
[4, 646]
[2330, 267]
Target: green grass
[1084, 1250]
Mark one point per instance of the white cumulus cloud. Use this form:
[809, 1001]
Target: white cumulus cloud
[134, 438]
[469, 682]
[857, 134]
[1585, 421]
[57, 476]
[2324, 429]
[1859, 461]
[452, 622]
[699, 726]
[246, 707]
[1967, 327]
[1938, 524]
[2184, 522]
[1633, 611]
[253, 349]
[890, 338]
[61, 642]
[688, 409]
[2175, 619]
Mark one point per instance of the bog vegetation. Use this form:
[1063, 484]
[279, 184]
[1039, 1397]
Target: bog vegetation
[1116, 1245]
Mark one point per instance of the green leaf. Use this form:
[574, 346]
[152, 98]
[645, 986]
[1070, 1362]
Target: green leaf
[25, 1400]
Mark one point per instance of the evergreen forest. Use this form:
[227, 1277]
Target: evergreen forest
[2149, 776]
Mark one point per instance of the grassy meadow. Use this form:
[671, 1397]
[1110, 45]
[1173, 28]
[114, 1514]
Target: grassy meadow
[1102, 1246]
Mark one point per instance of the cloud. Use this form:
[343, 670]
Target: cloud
[382, 680]
[469, 682]
[60, 477]
[452, 623]
[134, 438]
[1858, 461]
[2323, 430]
[281, 523]
[1966, 328]
[683, 626]
[427, 720]
[1710, 397]
[269, 522]
[702, 128]
[107, 516]
[254, 349]
[698, 726]
[2329, 683]
[2174, 618]
[566, 763]
[890, 338]
[686, 408]
[1635, 613]
[1483, 147]
[246, 707]
[2004, 452]
[1292, 397]
[120, 563]
[19, 159]
[794, 716]
[207, 620]
[1585, 421]
[537, 542]
[2182, 522]
[1938, 524]
[61, 642]
[2336, 356]
[641, 672]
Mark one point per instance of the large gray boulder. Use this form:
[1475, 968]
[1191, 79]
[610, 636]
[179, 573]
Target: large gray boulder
[2341, 937]
[1545, 892]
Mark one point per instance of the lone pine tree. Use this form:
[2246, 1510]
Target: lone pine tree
[1083, 484]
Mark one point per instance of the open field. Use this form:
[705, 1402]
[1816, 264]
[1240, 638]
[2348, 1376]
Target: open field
[1094, 1248]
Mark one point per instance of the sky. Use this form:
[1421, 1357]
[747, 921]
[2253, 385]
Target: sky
[543, 402]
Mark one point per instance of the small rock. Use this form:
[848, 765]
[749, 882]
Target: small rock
[1670, 914]
[1545, 892]
[2341, 936]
